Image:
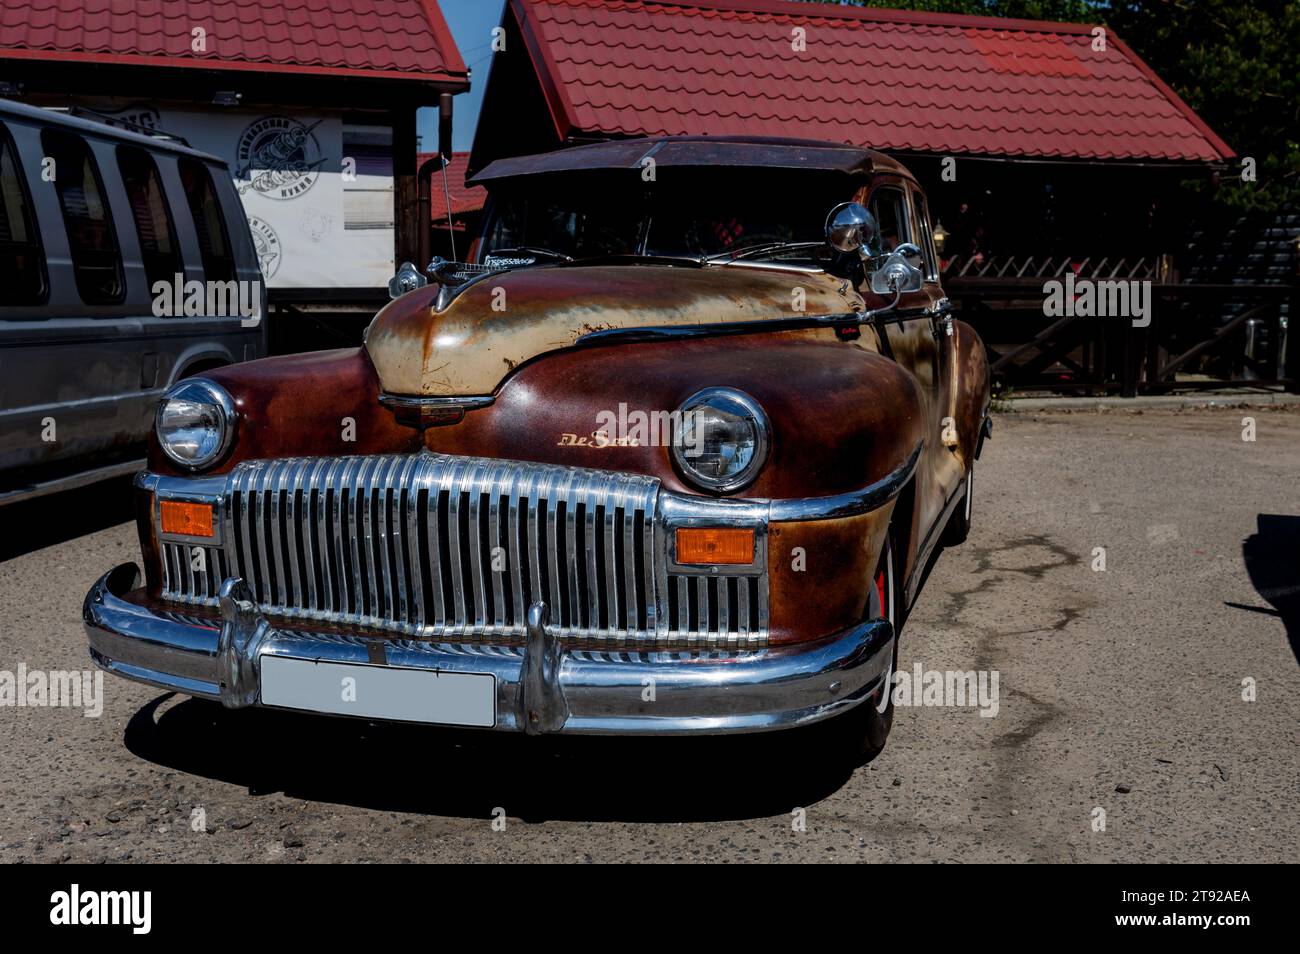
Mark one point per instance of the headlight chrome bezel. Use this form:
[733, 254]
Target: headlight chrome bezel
[211, 393]
[762, 440]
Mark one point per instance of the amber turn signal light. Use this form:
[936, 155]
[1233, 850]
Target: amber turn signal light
[188, 519]
[714, 545]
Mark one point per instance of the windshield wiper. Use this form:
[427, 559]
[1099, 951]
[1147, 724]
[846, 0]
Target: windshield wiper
[516, 250]
[765, 249]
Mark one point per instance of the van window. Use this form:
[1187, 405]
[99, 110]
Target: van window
[22, 266]
[153, 220]
[214, 240]
[96, 261]
[887, 207]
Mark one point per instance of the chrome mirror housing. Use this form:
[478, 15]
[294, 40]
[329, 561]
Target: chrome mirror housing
[896, 274]
[912, 253]
[850, 227]
[407, 279]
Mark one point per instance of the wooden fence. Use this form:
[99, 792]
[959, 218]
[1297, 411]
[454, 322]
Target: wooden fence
[1199, 336]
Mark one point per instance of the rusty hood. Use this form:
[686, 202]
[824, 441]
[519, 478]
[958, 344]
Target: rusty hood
[501, 321]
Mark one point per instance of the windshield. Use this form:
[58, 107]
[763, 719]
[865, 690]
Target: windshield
[592, 217]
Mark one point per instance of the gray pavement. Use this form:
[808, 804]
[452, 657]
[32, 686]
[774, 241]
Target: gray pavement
[1120, 690]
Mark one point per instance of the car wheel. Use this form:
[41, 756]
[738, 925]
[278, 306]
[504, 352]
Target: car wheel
[859, 734]
[958, 528]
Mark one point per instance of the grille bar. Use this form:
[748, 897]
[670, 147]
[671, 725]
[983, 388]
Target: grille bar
[459, 547]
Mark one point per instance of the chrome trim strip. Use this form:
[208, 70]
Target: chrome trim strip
[850, 504]
[419, 402]
[769, 266]
[573, 691]
[848, 319]
[913, 584]
[71, 481]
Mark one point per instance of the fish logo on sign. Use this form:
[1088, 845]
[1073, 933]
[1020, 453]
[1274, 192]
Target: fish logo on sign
[278, 157]
[267, 245]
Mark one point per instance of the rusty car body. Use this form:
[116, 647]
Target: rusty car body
[449, 501]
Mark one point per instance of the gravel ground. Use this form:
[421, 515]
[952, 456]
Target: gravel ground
[1119, 690]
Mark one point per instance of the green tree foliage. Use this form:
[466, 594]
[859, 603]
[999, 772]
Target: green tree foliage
[1235, 63]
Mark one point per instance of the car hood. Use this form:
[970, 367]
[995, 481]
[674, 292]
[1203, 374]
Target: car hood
[503, 320]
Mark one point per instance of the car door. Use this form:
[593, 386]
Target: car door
[948, 469]
[912, 342]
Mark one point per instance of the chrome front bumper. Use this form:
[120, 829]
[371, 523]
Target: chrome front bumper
[541, 687]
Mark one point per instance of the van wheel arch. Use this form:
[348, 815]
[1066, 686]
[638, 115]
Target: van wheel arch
[200, 366]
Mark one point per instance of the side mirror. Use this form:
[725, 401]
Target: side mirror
[850, 227]
[912, 253]
[407, 279]
[896, 274]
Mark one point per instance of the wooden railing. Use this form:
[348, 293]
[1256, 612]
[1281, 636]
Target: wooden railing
[1025, 267]
[1199, 336]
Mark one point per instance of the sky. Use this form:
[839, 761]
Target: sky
[471, 23]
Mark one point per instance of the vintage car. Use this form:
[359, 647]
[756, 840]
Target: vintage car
[671, 453]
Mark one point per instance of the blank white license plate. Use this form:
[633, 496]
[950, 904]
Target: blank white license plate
[380, 692]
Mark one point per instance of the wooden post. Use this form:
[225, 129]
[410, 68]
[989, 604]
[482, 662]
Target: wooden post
[406, 238]
[1130, 358]
[1292, 369]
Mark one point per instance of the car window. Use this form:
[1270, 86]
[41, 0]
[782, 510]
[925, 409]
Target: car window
[580, 226]
[697, 213]
[887, 207]
[924, 234]
[22, 264]
[96, 260]
[214, 239]
[153, 219]
[721, 219]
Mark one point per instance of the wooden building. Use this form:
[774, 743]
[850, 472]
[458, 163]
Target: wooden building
[1046, 149]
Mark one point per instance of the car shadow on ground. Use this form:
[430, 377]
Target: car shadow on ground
[35, 524]
[1272, 558]
[419, 769]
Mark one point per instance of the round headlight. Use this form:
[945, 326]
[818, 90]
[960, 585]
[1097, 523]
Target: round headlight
[196, 419]
[723, 439]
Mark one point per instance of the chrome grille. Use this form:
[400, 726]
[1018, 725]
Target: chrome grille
[715, 609]
[191, 573]
[459, 547]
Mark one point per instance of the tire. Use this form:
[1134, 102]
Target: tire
[859, 735]
[958, 528]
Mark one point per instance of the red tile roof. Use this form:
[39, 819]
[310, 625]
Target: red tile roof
[891, 80]
[394, 39]
[464, 198]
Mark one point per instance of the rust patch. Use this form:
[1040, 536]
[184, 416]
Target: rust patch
[515, 316]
